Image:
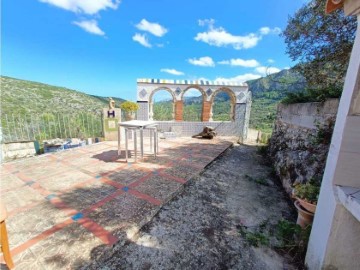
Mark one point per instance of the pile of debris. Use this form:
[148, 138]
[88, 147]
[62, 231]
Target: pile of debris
[57, 144]
[207, 133]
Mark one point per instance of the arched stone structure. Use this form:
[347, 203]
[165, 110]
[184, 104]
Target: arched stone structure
[204, 112]
[232, 102]
[151, 103]
[239, 94]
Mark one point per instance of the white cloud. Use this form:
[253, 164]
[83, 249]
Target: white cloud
[153, 28]
[239, 78]
[271, 61]
[240, 62]
[172, 71]
[267, 30]
[90, 7]
[267, 70]
[264, 30]
[206, 22]
[219, 37]
[205, 61]
[142, 39]
[90, 26]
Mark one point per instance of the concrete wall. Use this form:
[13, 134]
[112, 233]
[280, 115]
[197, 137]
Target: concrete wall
[307, 115]
[238, 127]
[253, 135]
[299, 145]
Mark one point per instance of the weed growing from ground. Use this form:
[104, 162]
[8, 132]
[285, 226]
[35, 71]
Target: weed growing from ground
[290, 238]
[260, 181]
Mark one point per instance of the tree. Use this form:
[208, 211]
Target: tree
[321, 43]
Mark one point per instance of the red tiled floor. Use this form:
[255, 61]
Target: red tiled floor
[159, 187]
[65, 206]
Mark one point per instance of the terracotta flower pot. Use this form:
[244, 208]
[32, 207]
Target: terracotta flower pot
[305, 217]
[308, 206]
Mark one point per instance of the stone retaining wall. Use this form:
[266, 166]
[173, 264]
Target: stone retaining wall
[301, 140]
[15, 150]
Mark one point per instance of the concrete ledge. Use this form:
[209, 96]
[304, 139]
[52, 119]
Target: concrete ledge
[350, 199]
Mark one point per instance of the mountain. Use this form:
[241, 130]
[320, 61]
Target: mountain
[277, 84]
[267, 92]
[284, 81]
[21, 97]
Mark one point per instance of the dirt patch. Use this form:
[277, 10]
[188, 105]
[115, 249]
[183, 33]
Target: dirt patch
[200, 229]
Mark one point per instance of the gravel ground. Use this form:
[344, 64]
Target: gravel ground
[200, 228]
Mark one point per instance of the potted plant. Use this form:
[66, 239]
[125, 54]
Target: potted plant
[129, 108]
[307, 194]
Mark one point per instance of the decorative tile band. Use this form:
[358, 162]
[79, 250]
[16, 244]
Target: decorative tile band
[196, 82]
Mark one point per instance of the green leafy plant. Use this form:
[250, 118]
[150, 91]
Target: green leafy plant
[293, 240]
[286, 232]
[129, 106]
[308, 192]
[257, 237]
[260, 181]
[324, 132]
[285, 236]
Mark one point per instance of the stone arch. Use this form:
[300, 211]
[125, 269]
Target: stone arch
[203, 94]
[232, 101]
[151, 112]
[196, 87]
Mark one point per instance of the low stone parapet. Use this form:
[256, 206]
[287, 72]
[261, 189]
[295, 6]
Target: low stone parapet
[15, 150]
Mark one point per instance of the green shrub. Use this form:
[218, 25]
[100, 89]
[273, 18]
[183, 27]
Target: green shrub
[312, 95]
[324, 132]
[129, 106]
[309, 191]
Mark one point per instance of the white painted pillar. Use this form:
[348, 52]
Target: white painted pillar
[335, 237]
[232, 107]
[151, 113]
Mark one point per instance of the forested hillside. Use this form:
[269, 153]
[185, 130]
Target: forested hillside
[22, 97]
[267, 92]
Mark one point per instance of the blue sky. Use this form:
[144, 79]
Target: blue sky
[102, 46]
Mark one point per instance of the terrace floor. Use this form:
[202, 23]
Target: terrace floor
[68, 207]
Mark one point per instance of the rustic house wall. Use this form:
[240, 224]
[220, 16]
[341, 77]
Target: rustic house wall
[301, 139]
